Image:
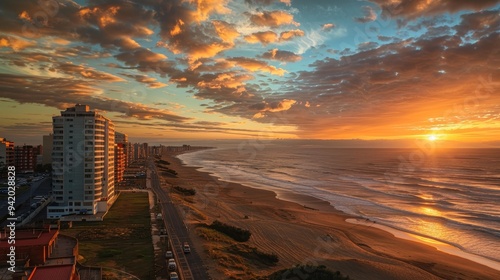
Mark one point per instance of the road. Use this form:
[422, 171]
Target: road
[23, 201]
[191, 265]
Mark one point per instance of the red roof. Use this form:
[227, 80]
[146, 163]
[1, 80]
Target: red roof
[53, 272]
[38, 239]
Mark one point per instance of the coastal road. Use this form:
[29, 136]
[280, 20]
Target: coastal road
[191, 264]
[23, 201]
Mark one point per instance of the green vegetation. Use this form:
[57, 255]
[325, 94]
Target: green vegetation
[161, 161]
[235, 233]
[307, 272]
[252, 253]
[122, 241]
[185, 191]
[171, 171]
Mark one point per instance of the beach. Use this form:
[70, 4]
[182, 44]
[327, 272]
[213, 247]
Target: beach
[305, 231]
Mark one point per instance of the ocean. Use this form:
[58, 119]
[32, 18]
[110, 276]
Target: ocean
[449, 195]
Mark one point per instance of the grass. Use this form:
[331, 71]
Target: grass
[122, 241]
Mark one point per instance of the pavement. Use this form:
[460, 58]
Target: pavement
[190, 265]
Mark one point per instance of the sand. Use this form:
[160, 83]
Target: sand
[306, 231]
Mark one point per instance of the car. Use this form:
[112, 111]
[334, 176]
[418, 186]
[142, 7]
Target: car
[174, 276]
[172, 265]
[186, 247]
[169, 255]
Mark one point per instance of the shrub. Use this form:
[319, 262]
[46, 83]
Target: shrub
[311, 273]
[238, 234]
[252, 253]
[185, 191]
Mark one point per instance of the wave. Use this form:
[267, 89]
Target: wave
[358, 187]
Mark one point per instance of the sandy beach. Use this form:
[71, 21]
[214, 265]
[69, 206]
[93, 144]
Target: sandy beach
[306, 231]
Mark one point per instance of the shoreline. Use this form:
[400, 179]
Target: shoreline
[303, 199]
[378, 246]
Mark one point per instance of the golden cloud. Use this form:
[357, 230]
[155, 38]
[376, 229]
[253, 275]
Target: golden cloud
[226, 31]
[15, 43]
[273, 19]
[264, 37]
[289, 35]
[255, 65]
[204, 8]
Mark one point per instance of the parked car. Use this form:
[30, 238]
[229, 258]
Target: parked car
[186, 247]
[169, 255]
[172, 265]
[174, 276]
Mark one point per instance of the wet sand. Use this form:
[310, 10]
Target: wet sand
[306, 231]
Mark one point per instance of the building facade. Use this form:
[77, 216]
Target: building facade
[82, 162]
[25, 158]
[6, 152]
[47, 149]
[121, 138]
[119, 162]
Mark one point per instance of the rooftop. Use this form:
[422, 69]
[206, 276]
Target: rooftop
[53, 272]
[31, 238]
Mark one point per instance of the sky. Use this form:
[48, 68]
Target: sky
[222, 69]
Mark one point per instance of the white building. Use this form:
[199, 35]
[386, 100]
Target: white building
[82, 163]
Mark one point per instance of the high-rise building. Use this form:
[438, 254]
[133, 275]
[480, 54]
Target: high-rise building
[25, 157]
[121, 138]
[82, 162]
[119, 162]
[47, 149]
[6, 152]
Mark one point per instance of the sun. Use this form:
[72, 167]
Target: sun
[432, 138]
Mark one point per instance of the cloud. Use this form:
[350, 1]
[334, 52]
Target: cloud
[228, 80]
[290, 34]
[63, 92]
[272, 107]
[86, 72]
[204, 8]
[283, 56]
[478, 24]
[150, 82]
[263, 37]
[15, 43]
[367, 46]
[272, 18]
[138, 56]
[328, 26]
[411, 9]
[369, 16]
[267, 2]
[254, 65]
[394, 88]
[227, 32]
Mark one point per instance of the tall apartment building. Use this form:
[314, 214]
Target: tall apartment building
[47, 149]
[6, 152]
[82, 162]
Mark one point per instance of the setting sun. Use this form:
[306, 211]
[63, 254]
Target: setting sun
[432, 138]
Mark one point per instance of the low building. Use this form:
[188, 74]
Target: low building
[36, 245]
[55, 272]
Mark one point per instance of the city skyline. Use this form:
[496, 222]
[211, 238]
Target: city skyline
[204, 69]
